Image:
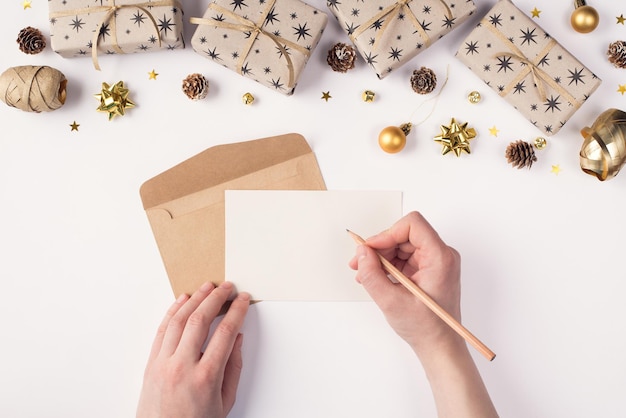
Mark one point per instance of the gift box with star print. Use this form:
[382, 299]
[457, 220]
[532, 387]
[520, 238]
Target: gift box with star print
[389, 33]
[527, 67]
[269, 41]
[77, 27]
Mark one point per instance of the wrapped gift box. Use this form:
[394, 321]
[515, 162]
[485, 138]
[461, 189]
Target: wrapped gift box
[86, 28]
[527, 67]
[268, 41]
[388, 34]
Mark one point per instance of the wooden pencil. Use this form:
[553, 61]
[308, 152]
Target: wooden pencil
[430, 303]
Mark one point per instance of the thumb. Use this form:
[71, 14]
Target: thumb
[371, 275]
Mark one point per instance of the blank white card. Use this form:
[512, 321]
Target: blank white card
[293, 245]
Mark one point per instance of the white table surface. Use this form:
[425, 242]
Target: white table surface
[84, 287]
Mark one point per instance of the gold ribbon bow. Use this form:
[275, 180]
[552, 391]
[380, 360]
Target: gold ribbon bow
[389, 13]
[245, 25]
[110, 14]
[540, 77]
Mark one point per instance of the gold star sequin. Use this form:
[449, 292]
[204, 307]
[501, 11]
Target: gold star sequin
[74, 126]
[494, 131]
[26, 4]
[152, 75]
[556, 169]
[114, 99]
[455, 138]
[326, 95]
[535, 12]
[621, 19]
[622, 89]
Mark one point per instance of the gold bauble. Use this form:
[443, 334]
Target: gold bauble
[392, 139]
[584, 18]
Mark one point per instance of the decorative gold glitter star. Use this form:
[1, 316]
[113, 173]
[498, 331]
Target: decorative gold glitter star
[26, 4]
[114, 99]
[621, 19]
[535, 12]
[622, 89]
[152, 75]
[74, 126]
[326, 95]
[494, 131]
[455, 138]
[556, 169]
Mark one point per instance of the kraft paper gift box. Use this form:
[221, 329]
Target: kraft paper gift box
[268, 41]
[186, 208]
[88, 28]
[527, 67]
[388, 34]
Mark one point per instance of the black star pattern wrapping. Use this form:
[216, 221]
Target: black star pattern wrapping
[269, 41]
[527, 67]
[101, 27]
[389, 33]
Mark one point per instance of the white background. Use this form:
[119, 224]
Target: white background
[84, 288]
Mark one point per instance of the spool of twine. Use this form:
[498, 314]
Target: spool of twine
[603, 152]
[33, 88]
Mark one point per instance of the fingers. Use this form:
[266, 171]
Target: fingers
[232, 373]
[372, 276]
[413, 229]
[158, 340]
[222, 342]
[177, 322]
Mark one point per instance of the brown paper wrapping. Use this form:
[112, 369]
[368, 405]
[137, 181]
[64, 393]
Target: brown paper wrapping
[527, 67]
[33, 88]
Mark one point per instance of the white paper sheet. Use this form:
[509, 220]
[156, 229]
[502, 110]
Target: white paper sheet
[293, 245]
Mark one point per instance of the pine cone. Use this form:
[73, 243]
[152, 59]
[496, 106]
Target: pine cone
[196, 86]
[520, 154]
[341, 57]
[423, 80]
[617, 54]
[31, 40]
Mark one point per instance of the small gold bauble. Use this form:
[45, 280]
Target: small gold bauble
[474, 97]
[368, 96]
[540, 142]
[392, 139]
[247, 99]
[584, 18]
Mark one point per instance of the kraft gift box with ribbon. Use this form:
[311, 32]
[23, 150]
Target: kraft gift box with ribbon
[527, 67]
[87, 28]
[389, 33]
[268, 41]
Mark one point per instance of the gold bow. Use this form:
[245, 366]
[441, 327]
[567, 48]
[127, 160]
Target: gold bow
[390, 13]
[110, 12]
[245, 25]
[603, 153]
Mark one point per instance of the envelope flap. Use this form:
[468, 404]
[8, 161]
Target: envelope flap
[221, 164]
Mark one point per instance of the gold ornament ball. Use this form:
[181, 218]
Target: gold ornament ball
[540, 143]
[474, 97]
[392, 139]
[247, 99]
[584, 18]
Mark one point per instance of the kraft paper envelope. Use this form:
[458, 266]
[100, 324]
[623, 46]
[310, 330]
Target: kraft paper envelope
[185, 204]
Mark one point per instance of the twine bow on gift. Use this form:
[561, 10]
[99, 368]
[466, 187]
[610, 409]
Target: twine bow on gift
[110, 16]
[254, 29]
[388, 14]
[540, 77]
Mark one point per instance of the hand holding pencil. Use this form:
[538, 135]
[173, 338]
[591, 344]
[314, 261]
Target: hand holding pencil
[425, 269]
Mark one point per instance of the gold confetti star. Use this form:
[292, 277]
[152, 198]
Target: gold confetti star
[74, 126]
[621, 19]
[622, 89]
[152, 75]
[326, 95]
[26, 4]
[556, 169]
[494, 131]
[535, 12]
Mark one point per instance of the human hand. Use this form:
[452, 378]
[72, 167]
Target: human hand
[180, 380]
[416, 249]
